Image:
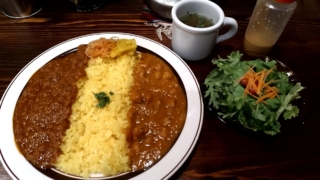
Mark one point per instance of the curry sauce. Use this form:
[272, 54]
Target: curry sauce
[157, 113]
[43, 109]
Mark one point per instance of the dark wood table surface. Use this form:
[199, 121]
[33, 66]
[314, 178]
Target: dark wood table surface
[222, 151]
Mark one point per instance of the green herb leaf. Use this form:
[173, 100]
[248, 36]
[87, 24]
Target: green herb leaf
[102, 98]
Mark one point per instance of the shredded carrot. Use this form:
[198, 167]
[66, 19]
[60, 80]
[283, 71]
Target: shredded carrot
[274, 90]
[262, 98]
[267, 84]
[257, 86]
[248, 92]
[261, 81]
[251, 68]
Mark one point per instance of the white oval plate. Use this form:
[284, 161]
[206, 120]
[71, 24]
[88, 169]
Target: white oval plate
[19, 168]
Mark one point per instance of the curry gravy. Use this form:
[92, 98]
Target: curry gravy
[42, 112]
[157, 113]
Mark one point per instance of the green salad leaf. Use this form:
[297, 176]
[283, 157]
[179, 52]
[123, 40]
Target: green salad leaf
[226, 94]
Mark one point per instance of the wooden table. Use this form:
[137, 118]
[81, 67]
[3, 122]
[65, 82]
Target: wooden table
[222, 152]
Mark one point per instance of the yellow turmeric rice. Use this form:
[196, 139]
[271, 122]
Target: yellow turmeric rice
[96, 140]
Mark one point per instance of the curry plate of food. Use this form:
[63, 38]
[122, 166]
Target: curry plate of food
[100, 106]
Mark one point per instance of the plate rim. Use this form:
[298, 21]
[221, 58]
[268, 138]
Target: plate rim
[161, 50]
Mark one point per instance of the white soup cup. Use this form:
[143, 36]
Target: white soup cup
[192, 43]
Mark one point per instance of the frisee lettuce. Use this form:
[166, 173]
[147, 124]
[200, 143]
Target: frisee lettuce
[225, 95]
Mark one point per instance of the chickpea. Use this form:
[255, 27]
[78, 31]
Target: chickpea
[171, 103]
[167, 75]
[166, 121]
[142, 74]
[135, 97]
[157, 75]
[157, 103]
[172, 92]
[163, 133]
[158, 67]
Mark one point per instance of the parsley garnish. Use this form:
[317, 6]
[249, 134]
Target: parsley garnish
[103, 99]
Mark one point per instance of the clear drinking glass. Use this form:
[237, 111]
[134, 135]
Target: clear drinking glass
[21, 8]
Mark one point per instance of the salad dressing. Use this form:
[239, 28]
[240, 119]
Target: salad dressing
[267, 23]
